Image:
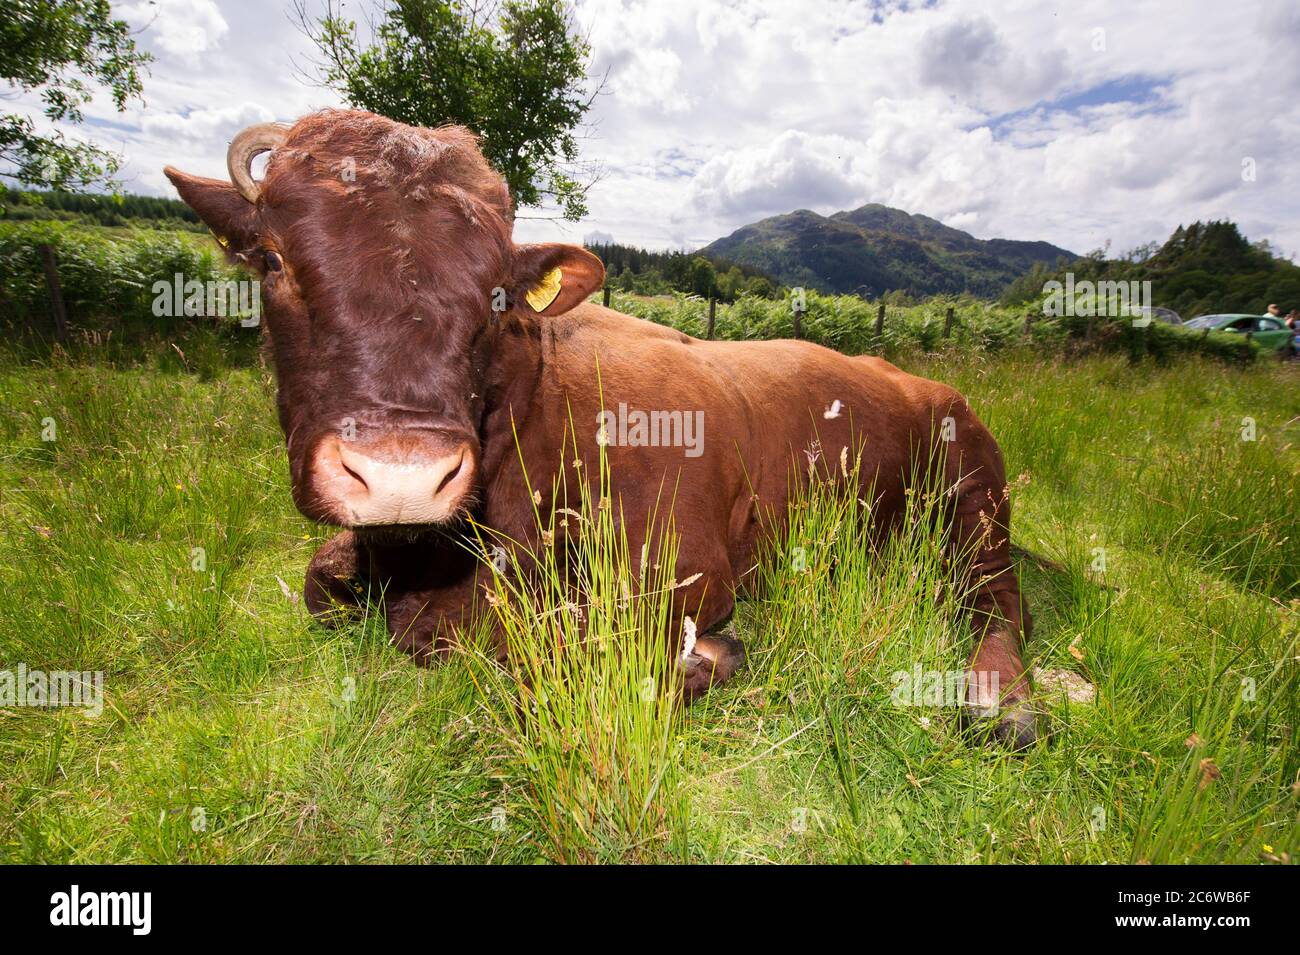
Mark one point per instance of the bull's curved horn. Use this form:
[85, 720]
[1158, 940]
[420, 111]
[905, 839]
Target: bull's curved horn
[260, 138]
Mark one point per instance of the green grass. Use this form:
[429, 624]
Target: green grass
[1161, 564]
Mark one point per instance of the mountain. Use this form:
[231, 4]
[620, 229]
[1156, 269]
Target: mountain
[876, 249]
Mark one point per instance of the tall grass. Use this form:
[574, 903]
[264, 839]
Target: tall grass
[834, 595]
[587, 704]
[1191, 460]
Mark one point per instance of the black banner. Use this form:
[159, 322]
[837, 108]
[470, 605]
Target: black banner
[333, 904]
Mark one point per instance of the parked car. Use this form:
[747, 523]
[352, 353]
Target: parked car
[1267, 331]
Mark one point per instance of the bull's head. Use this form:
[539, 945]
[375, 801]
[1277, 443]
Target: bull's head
[386, 263]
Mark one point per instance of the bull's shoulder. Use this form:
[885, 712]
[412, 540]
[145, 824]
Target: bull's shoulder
[589, 322]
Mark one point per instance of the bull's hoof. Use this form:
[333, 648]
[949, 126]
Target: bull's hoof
[715, 659]
[334, 581]
[1016, 726]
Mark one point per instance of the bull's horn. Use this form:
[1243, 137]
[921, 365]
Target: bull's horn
[251, 142]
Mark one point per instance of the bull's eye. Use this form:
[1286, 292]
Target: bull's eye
[273, 262]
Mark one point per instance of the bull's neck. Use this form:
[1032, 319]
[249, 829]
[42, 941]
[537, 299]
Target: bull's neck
[515, 364]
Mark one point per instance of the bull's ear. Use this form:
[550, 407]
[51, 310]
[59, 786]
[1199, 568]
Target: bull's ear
[550, 279]
[222, 209]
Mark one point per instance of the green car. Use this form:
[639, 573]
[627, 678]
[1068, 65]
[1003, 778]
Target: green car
[1267, 331]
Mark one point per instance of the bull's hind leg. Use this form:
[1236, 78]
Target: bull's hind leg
[998, 695]
[335, 582]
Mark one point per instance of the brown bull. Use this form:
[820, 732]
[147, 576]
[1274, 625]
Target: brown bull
[413, 340]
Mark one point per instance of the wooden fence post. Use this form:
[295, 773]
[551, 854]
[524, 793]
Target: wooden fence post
[1029, 322]
[798, 323]
[880, 321]
[947, 323]
[713, 314]
[605, 296]
[51, 266]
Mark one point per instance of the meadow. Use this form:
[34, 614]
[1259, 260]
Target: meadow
[153, 538]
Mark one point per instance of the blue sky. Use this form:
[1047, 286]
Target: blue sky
[1135, 94]
[1082, 124]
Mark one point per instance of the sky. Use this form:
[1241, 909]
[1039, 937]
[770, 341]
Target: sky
[1085, 124]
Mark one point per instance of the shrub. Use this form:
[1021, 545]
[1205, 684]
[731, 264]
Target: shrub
[107, 280]
[847, 324]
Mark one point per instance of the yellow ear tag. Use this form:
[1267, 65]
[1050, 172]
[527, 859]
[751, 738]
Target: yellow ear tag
[545, 291]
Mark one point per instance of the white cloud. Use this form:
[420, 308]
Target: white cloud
[204, 126]
[715, 114]
[649, 78]
[179, 28]
[970, 59]
[794, 170]
[951, 111]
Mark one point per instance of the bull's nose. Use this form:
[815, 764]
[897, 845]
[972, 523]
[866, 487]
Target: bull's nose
[375, 485]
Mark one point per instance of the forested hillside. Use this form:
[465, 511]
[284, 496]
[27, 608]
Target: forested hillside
[875, 249]
[632, 269]
[1203, 268]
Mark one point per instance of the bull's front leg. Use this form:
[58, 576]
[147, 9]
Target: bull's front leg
[712, 661]
[429, 622]
[336, 580]
[427, 593]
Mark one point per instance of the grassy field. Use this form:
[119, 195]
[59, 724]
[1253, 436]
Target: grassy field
[154, 539]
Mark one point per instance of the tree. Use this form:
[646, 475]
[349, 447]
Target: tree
[1203, 268]
[730, 283]
[703, 277]
[514, 73]
[62, 50]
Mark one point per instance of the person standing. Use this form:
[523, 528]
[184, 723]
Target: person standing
[1292, 322]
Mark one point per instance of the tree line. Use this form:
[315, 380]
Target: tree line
[643, 272]
[97, 209]
[1202, 269]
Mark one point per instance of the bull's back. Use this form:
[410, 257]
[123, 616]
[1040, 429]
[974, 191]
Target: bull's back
[771, 405]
